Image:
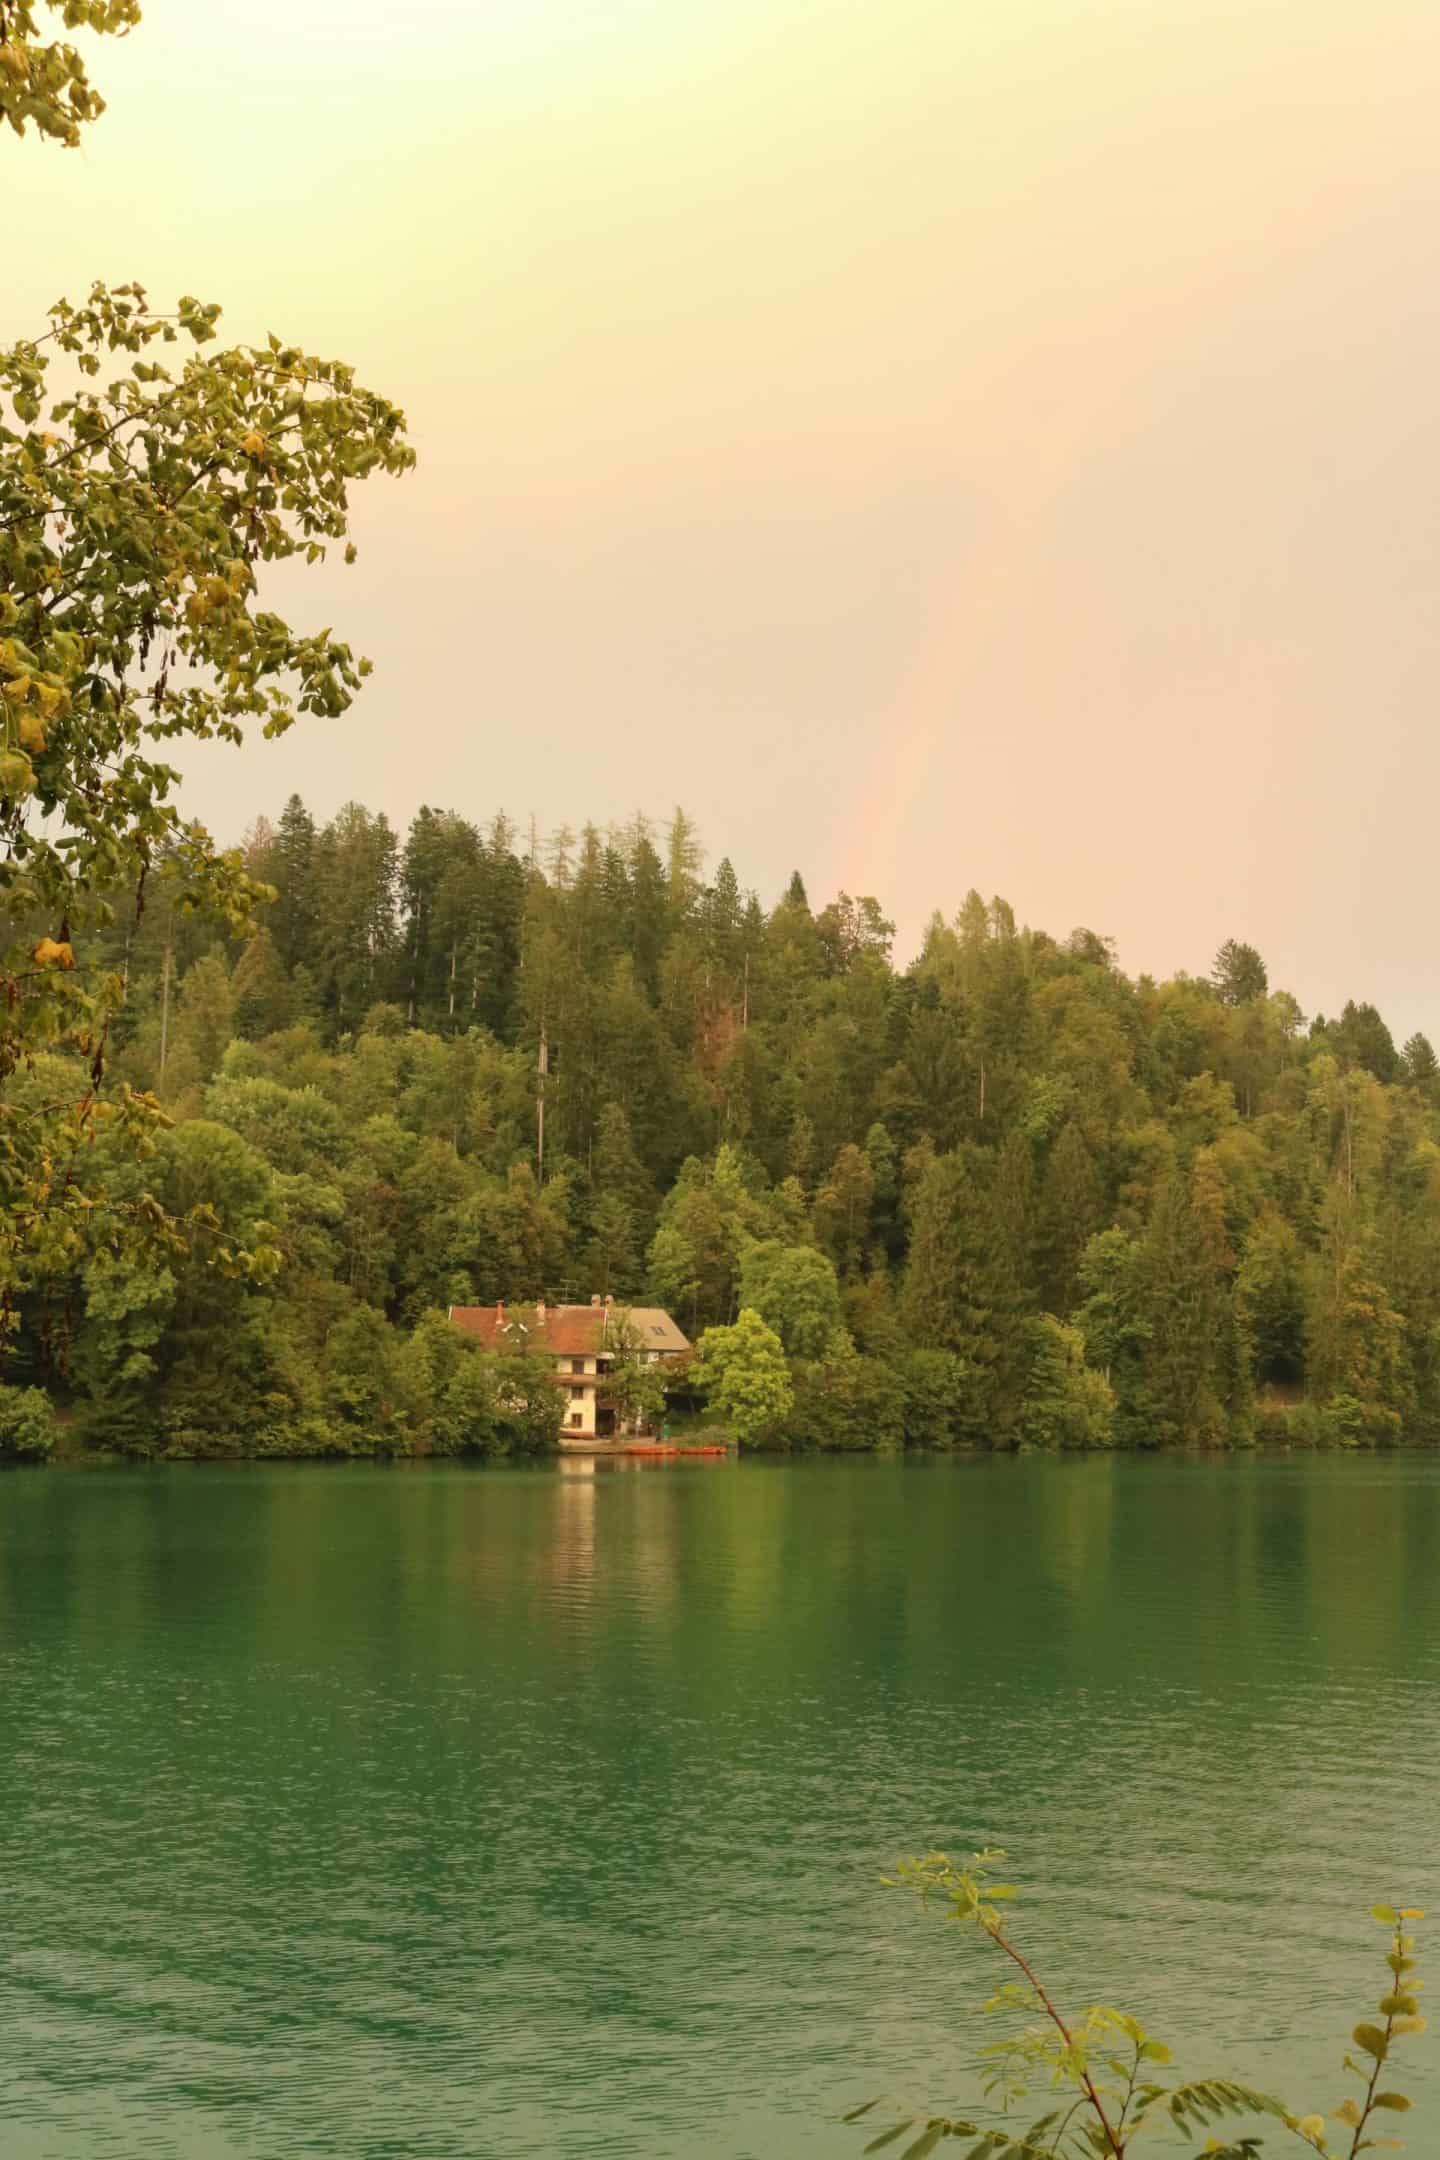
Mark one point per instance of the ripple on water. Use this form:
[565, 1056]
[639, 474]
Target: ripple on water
[455, 1815]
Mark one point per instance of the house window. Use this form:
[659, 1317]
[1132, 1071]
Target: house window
[577, 1364]
[577, 1394]
[576, 1418]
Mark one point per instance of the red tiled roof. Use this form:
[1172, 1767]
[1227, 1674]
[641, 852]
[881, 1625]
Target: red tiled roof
[565, 1331]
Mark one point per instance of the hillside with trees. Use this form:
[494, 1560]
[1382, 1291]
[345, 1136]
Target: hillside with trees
[1003, 1196]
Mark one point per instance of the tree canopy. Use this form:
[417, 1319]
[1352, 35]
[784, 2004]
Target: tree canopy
[44, 83]
[1000, 1196]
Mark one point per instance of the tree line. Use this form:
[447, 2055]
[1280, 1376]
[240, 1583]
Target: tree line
[265, 1112]
[1004, 1195]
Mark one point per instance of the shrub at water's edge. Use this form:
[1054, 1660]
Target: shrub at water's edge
[1106, 2080]
[28, 1425]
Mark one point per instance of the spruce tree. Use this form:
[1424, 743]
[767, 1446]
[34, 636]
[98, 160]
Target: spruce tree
[960, 1289]
[1239, 974]
[1070, 1210]
[291, 870]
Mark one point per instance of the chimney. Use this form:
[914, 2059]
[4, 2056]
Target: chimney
[594, 1297]
[540, 1308]
[499, 1312]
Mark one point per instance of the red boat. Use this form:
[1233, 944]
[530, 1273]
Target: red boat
[668, 1447]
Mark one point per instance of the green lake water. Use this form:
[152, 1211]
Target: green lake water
[442, 1813]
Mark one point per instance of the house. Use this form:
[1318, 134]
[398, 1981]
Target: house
[583, 1342]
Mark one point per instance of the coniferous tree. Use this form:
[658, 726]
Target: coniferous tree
[1420, 1066]
[1355, 1348]
[1022, 1179]
[355, 874]
[1070, 1209]
[648, 902]
[290, 868]
[684, 859]
[264, 1000]
[1360, 1037]
[842, 1208]
[724, 921]
[1180, 1308]
[960, 1290]
[1239, 974]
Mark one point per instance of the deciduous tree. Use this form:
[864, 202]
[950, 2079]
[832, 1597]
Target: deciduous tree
[742, 1369]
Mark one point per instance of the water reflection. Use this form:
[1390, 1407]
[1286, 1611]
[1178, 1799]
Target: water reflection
[447, 1813]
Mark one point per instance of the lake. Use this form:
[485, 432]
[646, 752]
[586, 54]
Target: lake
[433, 1812]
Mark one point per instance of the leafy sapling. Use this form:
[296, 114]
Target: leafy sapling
[1105, 2073]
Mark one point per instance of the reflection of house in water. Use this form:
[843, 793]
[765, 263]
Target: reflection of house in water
[570, 1557]
[615, 1547]
[583, 1342]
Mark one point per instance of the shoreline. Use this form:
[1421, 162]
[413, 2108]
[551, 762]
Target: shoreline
[587, 1462]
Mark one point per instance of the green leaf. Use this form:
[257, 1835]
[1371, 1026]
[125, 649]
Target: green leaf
[863, 2109]
[1385, 1914]
[928, 2139]
[888, 2137]
[1394, 2100]
[1372, 2040]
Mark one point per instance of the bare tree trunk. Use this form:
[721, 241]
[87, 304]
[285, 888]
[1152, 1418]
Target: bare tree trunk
[542, 1067]
[165, 1001]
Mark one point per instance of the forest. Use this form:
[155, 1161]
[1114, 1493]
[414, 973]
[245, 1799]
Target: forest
[267, 1111]
[1003, 1196]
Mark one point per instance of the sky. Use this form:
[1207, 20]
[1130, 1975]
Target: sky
[940, 443]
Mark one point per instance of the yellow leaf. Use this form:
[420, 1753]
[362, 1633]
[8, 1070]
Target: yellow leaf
[253, 443]
[17, 774]
[50, 952]
[32, 732]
